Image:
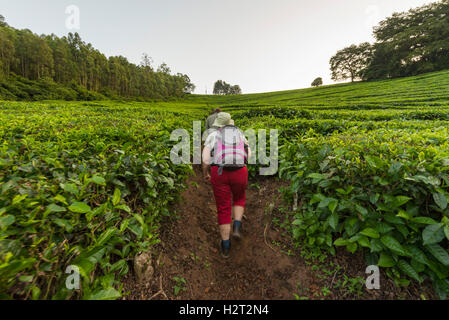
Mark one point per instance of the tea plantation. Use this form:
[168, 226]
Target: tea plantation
[87, 183]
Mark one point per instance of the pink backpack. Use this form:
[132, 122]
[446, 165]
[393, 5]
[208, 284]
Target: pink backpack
[229, 151]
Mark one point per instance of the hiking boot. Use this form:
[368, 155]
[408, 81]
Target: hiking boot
[224, 251]
[237, 233]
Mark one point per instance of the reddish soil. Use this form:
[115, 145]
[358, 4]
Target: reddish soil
[257, 269]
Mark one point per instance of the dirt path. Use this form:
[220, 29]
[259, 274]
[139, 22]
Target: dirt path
[254, 270]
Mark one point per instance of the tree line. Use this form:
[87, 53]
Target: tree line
[407, 44]
[72, 62]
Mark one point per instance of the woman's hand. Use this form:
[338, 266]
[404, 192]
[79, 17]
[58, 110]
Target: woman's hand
[206, 166]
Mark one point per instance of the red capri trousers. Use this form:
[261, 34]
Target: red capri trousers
[229, 191]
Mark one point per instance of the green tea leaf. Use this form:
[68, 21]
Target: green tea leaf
[433, 234]
[61, 199]
[316, 176]
[386, 261]
[98, 180]
[124, 207]
[106, 294]
[394, 245]
[35, 293]
[417, 254]
[440, 200]
[340, 242]
[376, 245]
[374, 197]
[26, 278]
[118, 265]
[317, 198]
[124, 225]
[333, 205]
[383, 227]
[419, 267]
[401, 200]
[423, 220]
[333, 221]
[352, 247]
[361, 210]
[439, 253]
[64, 224]
[408, 270]
[79, 207]
[55, 208]
[116, 197]
[87, 260]
[70, 188]
[6, 221]
[325, 202]
[137, 230]
[105, 236]
[403, 214]
[371, 161]
[363, 241]
[18, 199]
[370, 232]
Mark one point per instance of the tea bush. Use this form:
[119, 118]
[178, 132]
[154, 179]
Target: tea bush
[81, 187]
[383, 191]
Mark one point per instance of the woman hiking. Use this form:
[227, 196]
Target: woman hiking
[225, 155]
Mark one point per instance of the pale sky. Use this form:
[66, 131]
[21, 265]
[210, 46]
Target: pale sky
[261, 45]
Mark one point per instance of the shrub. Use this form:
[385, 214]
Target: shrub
[384, 192]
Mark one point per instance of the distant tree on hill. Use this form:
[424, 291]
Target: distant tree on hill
[407, 44]
[411, 43]
[189, 87]
[223, 88]
[147, 62]
[7, 51]
[236, 90]
[164, 68]
[351, 62]
[2, 21]
[219, 87]
[317, 82]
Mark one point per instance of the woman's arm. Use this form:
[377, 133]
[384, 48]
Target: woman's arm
[206, 163]
[249, 152]
[248, 149]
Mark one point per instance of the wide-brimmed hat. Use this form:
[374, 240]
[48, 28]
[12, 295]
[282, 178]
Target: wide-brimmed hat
[223, 119]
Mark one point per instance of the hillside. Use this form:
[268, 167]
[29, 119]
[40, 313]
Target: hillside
[423, 90]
